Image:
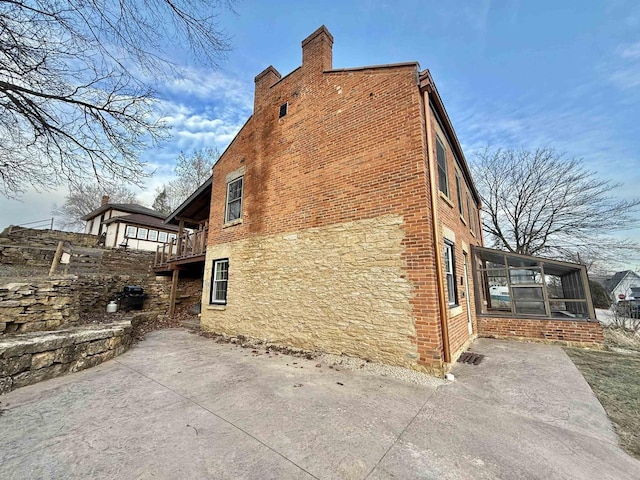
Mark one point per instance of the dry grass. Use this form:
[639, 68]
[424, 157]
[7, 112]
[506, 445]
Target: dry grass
[614, 376]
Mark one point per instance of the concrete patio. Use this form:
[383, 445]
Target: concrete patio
[178, 405]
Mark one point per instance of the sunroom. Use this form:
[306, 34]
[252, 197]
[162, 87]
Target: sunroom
[521, 286]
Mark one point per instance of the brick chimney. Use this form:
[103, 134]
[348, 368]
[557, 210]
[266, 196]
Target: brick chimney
[105, 200]
[317, 54]
[264, 81]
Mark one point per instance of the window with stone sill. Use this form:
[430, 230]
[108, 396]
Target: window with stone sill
[450, 274]
[219, 280]
[233, 204]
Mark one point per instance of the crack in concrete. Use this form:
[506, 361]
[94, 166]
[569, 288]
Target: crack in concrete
[431, 394]
[221, 418]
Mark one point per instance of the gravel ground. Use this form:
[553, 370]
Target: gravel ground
[405, 374]
[336, 362]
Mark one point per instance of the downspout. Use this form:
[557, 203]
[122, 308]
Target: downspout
[444, 310]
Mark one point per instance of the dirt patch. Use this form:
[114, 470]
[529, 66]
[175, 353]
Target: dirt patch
[144, 323]
[613, 377]
[256, 345]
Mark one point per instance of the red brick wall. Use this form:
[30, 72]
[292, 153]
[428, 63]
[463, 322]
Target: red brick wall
[351, 147]
[449, 218]
[570, 332]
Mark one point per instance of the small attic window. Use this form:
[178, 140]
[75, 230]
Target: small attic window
[284, 108]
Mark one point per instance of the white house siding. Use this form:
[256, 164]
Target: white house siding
[624, 287]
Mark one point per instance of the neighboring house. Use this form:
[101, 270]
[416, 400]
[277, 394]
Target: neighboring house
[129, 225]
[623, 284]
[343, 218]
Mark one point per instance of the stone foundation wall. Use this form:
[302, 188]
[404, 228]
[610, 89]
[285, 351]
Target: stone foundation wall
[580, 333]
[338, 289]
[31, 358]
[52, 304]
[189, 292]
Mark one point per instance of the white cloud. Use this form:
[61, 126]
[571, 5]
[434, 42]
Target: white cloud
[624, 68]
[629, 50]
[209, 85]
[202, 109]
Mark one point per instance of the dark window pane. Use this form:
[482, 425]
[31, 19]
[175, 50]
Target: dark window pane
[525, 275]
[459, 194]
[221, 291]
[527, 293]
[234, 210]
[568, 309]
[442, 168]
[451, 288]
[235, 190]
[530, 308]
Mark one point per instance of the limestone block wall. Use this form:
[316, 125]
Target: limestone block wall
[51, 304]
[31, 358]
[37, 306]
[189, 292]
[339, 289]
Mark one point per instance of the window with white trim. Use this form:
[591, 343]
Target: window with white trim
[162, 236]
[450, 273]
[142, 234]
[172, 237]
[153, 235]
[233, 208]
[219, 280]
[130, 232]
[443, 180]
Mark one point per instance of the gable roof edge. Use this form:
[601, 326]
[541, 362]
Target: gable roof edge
[426, 83]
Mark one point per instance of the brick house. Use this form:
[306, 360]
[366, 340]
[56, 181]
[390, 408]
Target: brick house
[343, 218]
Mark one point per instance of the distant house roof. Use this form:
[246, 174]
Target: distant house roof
[611, 283]
[124, 207]
[143, 220]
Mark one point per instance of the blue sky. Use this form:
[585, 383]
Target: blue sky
[511, 73]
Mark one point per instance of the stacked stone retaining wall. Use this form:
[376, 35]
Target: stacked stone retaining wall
[31, 358]
[83, 260]
[51, 304]
[45, 238]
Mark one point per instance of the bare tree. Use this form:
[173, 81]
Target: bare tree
[76, 84]
[540, 203]
[84, 198]
[191, 172]
[161, 202]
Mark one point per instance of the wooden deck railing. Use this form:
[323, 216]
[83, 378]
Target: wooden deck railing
[188, 245]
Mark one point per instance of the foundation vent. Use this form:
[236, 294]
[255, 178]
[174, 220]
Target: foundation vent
[471, 358]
